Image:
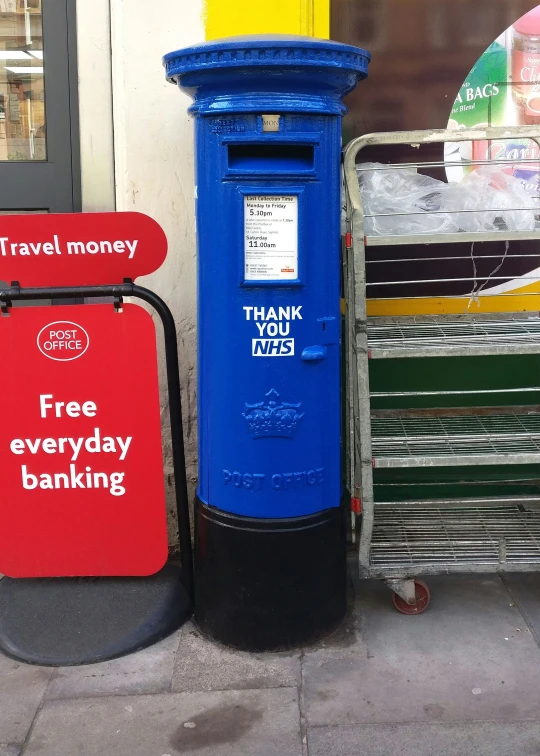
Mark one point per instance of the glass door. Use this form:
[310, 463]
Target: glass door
[37, 159]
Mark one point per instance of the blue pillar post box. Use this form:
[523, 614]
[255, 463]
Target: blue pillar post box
[270, 542]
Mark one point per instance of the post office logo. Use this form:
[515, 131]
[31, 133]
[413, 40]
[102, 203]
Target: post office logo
[63, 341]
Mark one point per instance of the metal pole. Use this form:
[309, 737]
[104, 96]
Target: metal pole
[177, 433]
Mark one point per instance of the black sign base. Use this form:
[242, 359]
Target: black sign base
[66, 621]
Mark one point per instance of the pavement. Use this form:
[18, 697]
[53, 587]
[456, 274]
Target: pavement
[461, 679]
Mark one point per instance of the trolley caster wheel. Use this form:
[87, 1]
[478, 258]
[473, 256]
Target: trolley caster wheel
[422, 600]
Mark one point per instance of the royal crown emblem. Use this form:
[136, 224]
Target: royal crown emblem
[273, 418]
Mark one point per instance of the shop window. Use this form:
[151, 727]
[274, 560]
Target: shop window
[387, 114]
[22, 95]
[38, 106]
[484, 18]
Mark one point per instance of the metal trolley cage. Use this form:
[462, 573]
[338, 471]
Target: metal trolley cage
[400, 541]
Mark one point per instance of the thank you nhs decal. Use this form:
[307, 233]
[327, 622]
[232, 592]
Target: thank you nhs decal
[273, 330]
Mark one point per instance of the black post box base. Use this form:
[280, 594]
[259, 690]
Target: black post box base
[269, 585]
[66, 621]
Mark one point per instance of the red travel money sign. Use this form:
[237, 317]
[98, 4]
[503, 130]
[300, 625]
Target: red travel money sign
[79, 249]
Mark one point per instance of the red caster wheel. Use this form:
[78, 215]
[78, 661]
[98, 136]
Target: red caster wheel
[422, 600]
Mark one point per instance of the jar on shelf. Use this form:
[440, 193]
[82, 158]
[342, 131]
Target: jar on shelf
[526, 67]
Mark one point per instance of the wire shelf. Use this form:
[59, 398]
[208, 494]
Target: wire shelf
[454, 238]
[412, 541]
[466, 336]
[437, 535]
[456, 440]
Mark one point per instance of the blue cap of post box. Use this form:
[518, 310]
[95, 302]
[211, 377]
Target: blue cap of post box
[271, 66]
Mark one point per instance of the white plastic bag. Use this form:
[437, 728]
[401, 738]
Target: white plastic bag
[505, 203]
[400, 201]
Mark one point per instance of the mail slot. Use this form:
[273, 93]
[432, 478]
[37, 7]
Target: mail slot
[285, 158]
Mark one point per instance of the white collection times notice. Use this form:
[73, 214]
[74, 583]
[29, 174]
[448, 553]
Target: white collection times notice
[271, 238]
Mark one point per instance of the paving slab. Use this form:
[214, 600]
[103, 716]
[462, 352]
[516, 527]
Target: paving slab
[22, 688]
[480, 739]
[10, 750]
[148, 671]
[202, 664]
[347, 641]
[220, 723]
[469, 657]
[524, 589]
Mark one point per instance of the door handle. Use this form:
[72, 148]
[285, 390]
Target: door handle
[314, 353]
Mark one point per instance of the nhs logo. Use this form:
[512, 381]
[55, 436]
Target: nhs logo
[272, 347]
